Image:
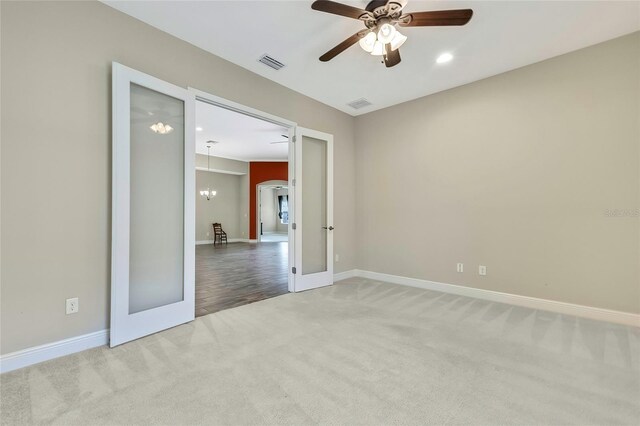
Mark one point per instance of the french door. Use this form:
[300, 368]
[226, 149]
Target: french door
[153, 199]
[313, 209]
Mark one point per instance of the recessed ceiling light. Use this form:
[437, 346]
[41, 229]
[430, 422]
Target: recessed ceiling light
[198, 129]
[445, 57]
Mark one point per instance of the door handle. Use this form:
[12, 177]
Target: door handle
[331, 228]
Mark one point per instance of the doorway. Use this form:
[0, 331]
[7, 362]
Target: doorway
[273, 212]
[237, 263]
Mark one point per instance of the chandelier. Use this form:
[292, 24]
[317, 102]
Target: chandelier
[208, 193]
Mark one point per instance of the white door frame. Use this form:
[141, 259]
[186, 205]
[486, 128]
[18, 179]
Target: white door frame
[259, 186]
[252, 112]
[125, 326]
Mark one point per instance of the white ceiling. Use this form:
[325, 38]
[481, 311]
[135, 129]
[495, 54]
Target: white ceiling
[502, 35]
[238, 136]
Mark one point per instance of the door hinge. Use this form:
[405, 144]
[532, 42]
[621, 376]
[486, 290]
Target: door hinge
[293, 226]
[293, 270]
[293, 182]
[294, 139]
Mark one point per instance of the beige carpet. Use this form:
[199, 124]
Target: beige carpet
[360, 352]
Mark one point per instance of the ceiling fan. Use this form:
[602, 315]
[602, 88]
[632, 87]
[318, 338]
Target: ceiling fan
[284, 141]
[381, 38]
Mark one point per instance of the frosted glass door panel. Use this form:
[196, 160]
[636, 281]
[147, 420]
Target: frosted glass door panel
[156, 256]
[313, 209]
[314, 205]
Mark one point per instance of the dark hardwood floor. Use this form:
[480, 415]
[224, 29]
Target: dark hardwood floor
[239, 273]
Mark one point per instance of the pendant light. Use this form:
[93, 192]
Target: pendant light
[208, 193]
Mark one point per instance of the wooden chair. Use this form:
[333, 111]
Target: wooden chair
[219, 236]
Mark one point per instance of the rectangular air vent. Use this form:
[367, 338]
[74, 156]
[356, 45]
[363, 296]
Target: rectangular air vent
[270, 62]
[359, 103]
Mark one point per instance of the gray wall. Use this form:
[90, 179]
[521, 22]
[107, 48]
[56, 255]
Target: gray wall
[224, 208]
[224, 165]
[515, 172]
[219, 164]
[56, 141]
[244, 206]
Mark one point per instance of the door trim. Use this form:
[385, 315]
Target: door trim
[203, 96]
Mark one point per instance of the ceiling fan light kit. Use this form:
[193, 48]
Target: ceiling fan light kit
[381, 37]
[374, 41]
[398, 40]
[386, 32]
[378, 48]
[368, 42]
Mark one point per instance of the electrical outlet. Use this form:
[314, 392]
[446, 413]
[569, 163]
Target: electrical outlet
[460, 267]
[208, 233]
[72, 306]
[337, 258]
[482, 270]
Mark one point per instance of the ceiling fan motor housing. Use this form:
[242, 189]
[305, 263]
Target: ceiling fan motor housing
[375, 4]
[381, 10]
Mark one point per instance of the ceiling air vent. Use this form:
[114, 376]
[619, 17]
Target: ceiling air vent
[270, 62]
[359, 103]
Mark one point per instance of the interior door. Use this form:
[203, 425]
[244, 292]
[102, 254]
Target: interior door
[314, 209]
[153, 205]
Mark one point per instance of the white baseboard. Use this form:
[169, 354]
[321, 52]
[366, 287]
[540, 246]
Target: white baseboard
[230, 240]
[590, 312]
[344, 275]
[36, 354]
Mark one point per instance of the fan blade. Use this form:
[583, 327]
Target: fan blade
[391, 57]
[273, 143]
[436, 18]
[341, 9]
[341, 47]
